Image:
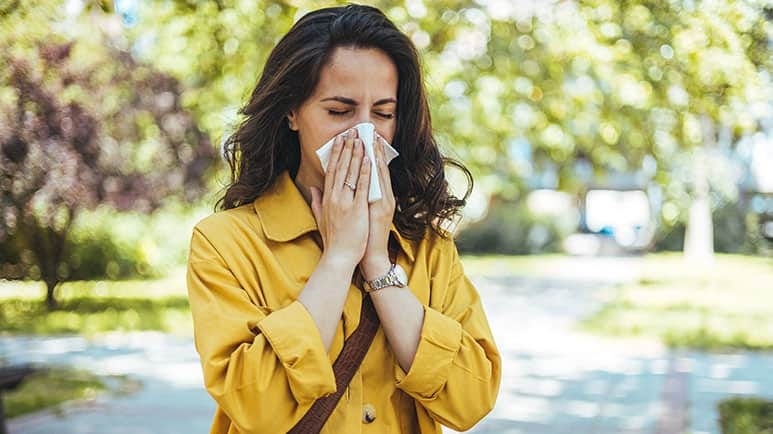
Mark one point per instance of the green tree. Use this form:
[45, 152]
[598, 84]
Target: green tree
[628, 86]
[83, 124]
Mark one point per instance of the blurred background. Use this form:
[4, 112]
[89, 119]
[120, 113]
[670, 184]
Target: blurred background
[620, 231]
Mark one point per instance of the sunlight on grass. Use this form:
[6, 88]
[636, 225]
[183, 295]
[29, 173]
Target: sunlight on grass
[728, 304]
[173, 284]
[91, 315]
[90, 307]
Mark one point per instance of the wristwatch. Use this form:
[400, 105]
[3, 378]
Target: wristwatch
[396, 276]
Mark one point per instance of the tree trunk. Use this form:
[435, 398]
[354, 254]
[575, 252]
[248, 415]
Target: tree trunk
[699, 235]
[49, 246]
[699, 238]
[51, 302]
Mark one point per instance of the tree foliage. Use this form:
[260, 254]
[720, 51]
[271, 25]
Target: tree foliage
[607, 81]
[82, 123]
[559, 94]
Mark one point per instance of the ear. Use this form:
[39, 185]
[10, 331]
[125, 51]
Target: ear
[291, 121]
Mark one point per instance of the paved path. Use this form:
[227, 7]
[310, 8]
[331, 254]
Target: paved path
[555, 379]
[558, 380]
[171, 400]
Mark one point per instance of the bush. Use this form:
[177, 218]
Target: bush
[510, 228]
[736, 230]
[107, 244]
[746, 416]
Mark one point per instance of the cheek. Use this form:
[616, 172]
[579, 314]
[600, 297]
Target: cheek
[387, 132]
[314, 137]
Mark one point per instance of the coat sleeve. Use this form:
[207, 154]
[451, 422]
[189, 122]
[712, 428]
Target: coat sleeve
[264, 368]
[456, 371]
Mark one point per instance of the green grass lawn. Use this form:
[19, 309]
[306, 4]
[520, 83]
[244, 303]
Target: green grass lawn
[746, 416]
[724, 305]
[90, 307]
[55, 385]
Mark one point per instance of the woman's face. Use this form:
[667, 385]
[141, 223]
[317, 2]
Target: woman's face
[356, 85]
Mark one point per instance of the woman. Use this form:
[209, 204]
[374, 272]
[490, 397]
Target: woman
[280, 278]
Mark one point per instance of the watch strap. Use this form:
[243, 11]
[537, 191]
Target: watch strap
[382, 281]
[392, 248]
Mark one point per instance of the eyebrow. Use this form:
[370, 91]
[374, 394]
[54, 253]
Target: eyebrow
[353, 102]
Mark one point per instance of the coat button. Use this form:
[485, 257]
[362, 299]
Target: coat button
[368, 413]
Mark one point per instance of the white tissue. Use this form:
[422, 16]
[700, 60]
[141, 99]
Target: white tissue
[366, 131]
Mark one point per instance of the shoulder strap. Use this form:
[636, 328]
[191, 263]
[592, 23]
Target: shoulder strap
[344, 367]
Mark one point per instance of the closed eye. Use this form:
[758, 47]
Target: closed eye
[337, 113]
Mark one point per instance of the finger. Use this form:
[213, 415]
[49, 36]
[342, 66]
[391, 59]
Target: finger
[363, 183]
[354, 167]
[316, 204]
[335, 154]
[343, 163]
[380, 161]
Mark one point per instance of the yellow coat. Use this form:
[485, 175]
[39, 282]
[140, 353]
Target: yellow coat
[262, 356]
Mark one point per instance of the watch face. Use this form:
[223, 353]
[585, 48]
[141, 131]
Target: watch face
[401, 275]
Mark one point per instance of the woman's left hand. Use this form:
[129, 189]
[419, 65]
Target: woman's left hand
[376, 260]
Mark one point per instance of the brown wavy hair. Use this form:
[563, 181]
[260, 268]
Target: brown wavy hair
[263, 145]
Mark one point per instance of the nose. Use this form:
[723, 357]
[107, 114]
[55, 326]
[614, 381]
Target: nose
[363, 116]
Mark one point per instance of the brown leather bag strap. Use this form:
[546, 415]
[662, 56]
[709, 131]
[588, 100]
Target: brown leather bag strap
[346, 364]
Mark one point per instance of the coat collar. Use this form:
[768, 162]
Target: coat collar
[285, 215]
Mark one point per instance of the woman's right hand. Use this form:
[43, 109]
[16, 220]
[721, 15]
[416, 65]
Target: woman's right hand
[342, 212]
